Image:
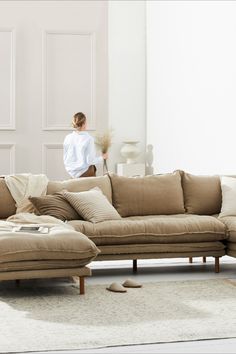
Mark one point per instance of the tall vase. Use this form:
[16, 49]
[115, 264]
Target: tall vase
[130, 151]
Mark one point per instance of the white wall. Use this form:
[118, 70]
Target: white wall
[53, 62]
[191, 85]
[127, 77]
[44, 84]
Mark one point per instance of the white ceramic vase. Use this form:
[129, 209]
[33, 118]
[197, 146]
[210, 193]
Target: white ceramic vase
[130, 151]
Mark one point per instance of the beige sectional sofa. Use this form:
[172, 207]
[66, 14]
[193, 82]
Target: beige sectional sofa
[159, 219]
[163, 216]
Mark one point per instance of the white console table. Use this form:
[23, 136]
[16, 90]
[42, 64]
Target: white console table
[131, 169]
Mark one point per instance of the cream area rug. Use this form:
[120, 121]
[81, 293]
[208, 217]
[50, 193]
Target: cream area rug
[53, 318]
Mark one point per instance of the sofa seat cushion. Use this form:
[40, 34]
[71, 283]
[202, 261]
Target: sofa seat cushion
[153, 229]
[163, 248]
[61, 243]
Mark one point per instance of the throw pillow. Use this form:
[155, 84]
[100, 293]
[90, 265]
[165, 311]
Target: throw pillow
[228, 187]
[92, 205]
[55, 205]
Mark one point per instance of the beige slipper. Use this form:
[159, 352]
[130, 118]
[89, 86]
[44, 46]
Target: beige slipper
[130, 283]
[116, 288]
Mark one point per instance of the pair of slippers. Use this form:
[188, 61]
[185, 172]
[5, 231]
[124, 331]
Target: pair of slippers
[121, 288]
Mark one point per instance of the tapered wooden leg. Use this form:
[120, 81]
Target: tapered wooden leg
[204, 259]
[217, 264]
[17, 281]
[135, 265]
[190, 259]
[81, 285]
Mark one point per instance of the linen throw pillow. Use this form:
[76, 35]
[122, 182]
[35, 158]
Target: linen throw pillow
[228, 187]
[92, 205]
[55, 205]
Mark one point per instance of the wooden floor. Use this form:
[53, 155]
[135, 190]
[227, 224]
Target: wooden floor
[163, 270]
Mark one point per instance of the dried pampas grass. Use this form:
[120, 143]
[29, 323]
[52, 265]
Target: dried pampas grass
[104, 141]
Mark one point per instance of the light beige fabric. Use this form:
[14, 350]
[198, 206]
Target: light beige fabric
[228, 187]
[231, 253]
[43, 264]
[231, 246]
[48, 273]
[230, 223]
[163, 248]
[157, 194]
[82, 184]
[7, 203]
[31, 218]
[202, 194]
[55, 205]
[156, 255]
[24, 185]
[154, 229]
[59, 244]
[92, 205]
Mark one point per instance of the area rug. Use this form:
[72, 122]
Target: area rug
[44, 318]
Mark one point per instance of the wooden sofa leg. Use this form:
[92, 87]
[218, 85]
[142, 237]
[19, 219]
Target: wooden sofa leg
[79, 279]
[135, 265]
[190, 259]
[81, 285]
[17, 281]
[217, 264]
[204, 259]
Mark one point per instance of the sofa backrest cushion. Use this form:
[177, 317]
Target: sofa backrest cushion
[82, 184]
[7, 203]
[202, 194]
[228, 187]
[149, 195]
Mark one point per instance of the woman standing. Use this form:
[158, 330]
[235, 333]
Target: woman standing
[79, 150]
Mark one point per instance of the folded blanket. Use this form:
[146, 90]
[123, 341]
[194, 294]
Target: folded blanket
[25, 185]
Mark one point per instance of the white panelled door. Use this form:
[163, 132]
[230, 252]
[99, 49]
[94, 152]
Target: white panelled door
[53, 63]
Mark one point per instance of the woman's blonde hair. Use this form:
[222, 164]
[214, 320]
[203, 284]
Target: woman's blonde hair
[78, 120]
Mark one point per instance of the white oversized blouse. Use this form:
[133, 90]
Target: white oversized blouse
[79, 153]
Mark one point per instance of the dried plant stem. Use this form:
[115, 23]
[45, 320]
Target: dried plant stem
[105, 167]
[104, 143]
